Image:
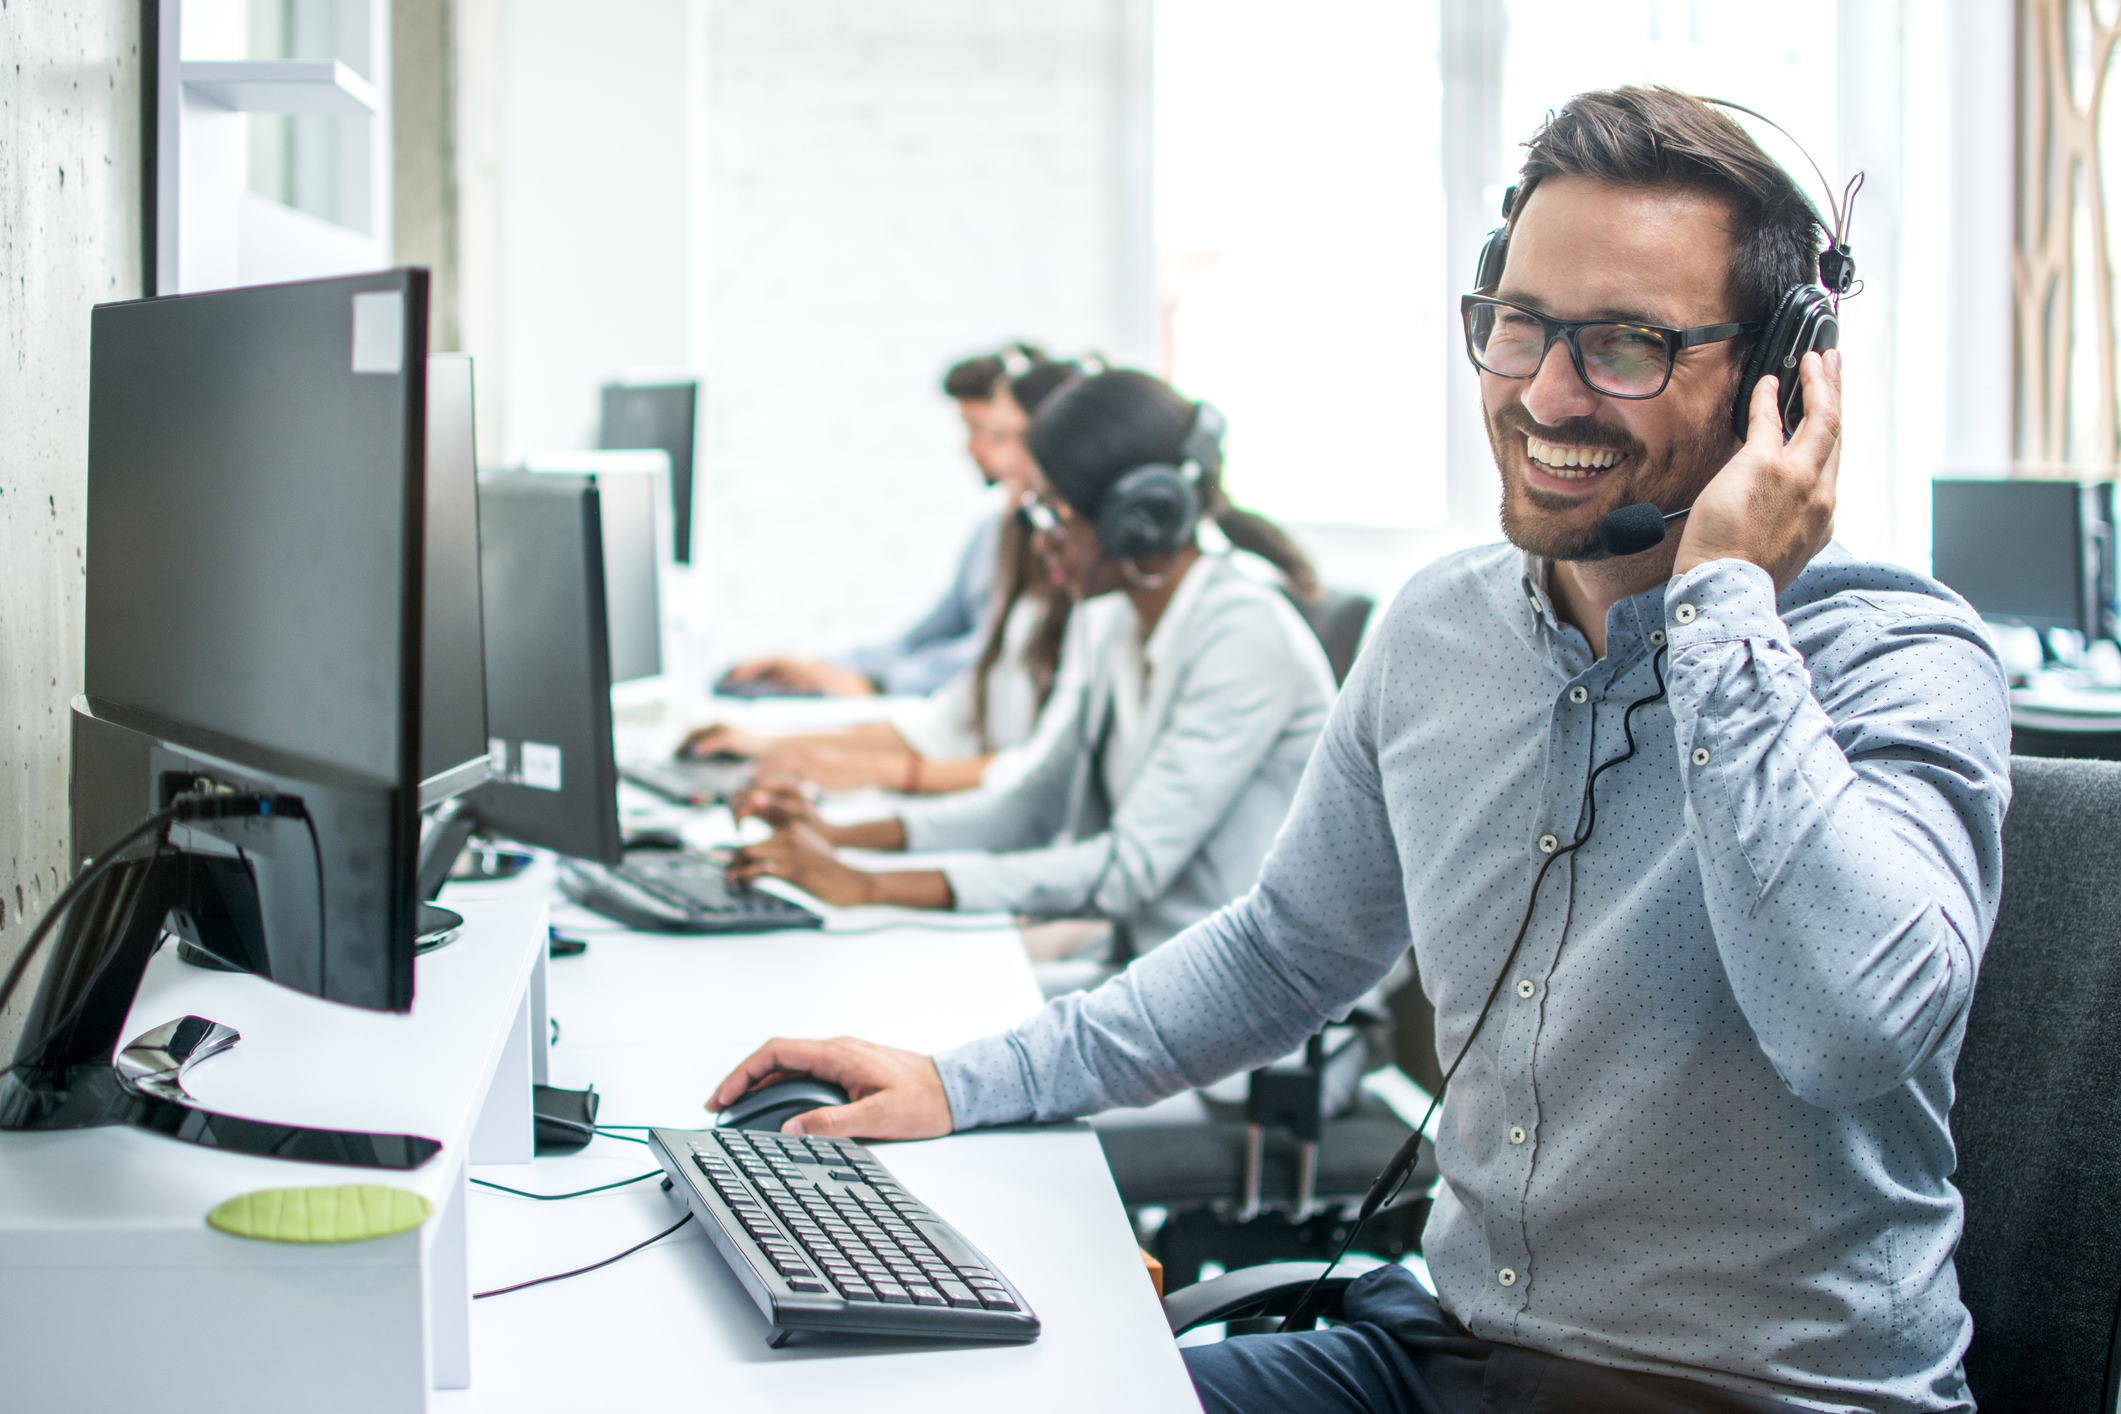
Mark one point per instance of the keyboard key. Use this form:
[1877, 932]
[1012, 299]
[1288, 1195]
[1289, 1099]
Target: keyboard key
[891, 1293]
[806, 1284]
[958, 1294]
[857, 1292]
[926, 1296]
[997, 1301]
[943, 1240]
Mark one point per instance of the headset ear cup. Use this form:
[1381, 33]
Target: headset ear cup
[1149, 511]
[1767, 353]
[1492, 257]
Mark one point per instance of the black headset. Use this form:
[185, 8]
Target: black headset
[1806, 318]
[1152, 509]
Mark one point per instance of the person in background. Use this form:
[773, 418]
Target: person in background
[948, 637]
[946, 741]
[1201, 699]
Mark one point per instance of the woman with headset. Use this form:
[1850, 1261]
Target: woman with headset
[949, 740]
[1198, 704]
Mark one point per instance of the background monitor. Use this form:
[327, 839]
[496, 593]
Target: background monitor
[548, 666]
[2022, 551]
[452, 644]
[632, 597]
[662, 415]
[254, 609]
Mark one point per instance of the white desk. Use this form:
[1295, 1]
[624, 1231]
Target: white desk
[654, 1022]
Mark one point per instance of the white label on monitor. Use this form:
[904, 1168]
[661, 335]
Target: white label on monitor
[497, 757]
[541, 765]
[379, 332]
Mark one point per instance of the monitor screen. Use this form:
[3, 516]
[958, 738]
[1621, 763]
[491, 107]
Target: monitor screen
[2015, 549]
[662, 415]
[452, 649]
[548, 666]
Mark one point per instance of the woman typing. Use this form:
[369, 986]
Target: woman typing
[1198, 704]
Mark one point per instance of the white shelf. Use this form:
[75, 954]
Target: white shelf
[104, 1230]
[282, 86]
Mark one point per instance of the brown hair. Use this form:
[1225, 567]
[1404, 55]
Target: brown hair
[1660, 137]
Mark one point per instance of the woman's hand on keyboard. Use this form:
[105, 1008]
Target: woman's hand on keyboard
[896, 1094]
[798, 854]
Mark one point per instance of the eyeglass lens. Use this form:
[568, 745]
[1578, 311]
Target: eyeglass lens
[1624, 359]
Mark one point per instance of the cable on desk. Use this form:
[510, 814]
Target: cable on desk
[578, 1193]
[562, 1276]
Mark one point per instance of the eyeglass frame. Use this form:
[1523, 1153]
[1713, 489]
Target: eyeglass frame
[1566, 330]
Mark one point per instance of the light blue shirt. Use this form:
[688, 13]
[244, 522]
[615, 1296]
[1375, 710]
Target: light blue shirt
[949, 636]
[1706, 1135]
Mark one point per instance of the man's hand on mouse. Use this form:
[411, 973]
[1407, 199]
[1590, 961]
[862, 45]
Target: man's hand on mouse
[1772, 504]
[896, 1094]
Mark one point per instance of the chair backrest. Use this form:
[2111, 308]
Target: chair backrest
[1338, 618]
[2037, 1118]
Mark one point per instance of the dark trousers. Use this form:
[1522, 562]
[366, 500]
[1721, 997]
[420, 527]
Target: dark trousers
[1399, 1354]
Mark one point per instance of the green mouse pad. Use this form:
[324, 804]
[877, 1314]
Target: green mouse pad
[353, 1212]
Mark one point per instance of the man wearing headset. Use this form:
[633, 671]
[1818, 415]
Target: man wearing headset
[1696, 1157]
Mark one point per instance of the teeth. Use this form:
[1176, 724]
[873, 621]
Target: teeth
[1570, 463]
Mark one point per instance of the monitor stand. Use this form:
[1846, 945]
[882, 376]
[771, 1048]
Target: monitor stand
[70, 1073]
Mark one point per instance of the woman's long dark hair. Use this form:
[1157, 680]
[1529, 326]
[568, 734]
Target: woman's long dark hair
[1018, 572]
[1096, 430]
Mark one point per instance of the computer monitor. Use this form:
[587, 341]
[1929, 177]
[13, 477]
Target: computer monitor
[548, 670]
[634, 550]
[452, 643]
[663, 415]
[253, 622]
[2031, 552]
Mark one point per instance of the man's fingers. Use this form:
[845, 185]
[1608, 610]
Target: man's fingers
[1763, 417]
[864, 1118]
[1820, 432]
[776, 1056]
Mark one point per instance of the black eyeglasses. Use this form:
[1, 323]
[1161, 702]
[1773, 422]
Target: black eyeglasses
[1617, 359]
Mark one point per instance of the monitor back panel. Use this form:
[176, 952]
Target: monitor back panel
[452, 650]
[548, 666]
[664, 415]
[254, 502]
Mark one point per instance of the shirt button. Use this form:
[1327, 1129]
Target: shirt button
[1507, 1276]
[1525, 987]
[1657, 637]
[1578, 696]
[1548, 844]
[1684, 613]
[1700, 756]
[1517, 1134]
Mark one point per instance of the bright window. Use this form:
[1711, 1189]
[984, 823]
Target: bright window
[1299, 224]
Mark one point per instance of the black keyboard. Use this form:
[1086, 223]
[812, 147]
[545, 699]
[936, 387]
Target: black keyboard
[677, 891]
[823, 1238]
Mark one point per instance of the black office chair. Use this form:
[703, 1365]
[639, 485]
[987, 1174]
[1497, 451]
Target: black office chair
[2037, 1119]
[1275, 1178]
[1338, 618]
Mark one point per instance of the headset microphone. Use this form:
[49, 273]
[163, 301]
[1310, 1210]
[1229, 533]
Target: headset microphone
[1634, 529]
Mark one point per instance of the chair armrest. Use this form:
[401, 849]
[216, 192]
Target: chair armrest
[1269, 1290]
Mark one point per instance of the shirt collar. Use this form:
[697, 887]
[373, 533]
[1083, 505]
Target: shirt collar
[1173, 620]
[1628, 623]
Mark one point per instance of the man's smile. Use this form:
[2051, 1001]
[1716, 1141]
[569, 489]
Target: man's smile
[1561, 467]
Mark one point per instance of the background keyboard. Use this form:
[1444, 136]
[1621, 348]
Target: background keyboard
[823, 1238]
[677, 891]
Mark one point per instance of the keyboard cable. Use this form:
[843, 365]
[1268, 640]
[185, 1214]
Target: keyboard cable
[578, 1271]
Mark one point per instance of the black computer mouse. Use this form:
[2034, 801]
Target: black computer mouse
[771, 1106]
[654, 839]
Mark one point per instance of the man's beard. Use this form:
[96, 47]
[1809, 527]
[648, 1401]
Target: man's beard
[1668, 479]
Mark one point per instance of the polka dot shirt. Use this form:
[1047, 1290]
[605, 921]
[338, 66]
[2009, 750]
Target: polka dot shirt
[1703, 1130]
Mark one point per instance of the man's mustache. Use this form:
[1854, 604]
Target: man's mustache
[1575, 432]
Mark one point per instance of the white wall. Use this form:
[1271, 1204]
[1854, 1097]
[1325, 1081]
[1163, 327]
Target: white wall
[819, 206]
[69, 237]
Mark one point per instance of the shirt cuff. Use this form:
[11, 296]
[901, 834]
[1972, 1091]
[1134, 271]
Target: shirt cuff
[1721, 601]
[984, 1082]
